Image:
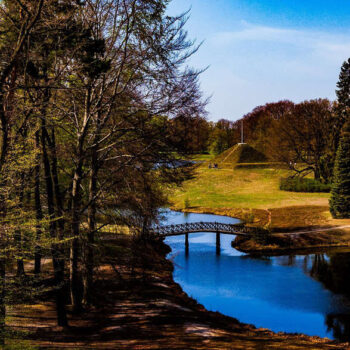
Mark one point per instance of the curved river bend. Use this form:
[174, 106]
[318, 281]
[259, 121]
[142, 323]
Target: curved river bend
[307, 294]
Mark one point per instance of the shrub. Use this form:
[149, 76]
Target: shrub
[262, 236]
[298, 184]
[187, 203]
[249, 217]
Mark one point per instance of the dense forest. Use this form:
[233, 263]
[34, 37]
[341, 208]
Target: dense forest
[87, 92]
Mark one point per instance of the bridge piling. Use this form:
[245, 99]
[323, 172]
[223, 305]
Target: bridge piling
[187, 245]
[218, 243]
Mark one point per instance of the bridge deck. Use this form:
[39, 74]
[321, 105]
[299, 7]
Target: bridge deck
[216, 227]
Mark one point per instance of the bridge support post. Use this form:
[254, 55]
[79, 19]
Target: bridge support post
[187, 246]
[218, 243]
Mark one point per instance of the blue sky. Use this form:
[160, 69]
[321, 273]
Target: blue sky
[262, 51]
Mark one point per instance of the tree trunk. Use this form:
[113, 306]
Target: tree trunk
[20, 263]
[57, 191]
[3, 153]
[38, 208]
[317, 172]
[76, 296]
[2, 297]
[56, 251]
[89, 249]
[74, 247]
[4, 133]
[5, 114]
[18, 234]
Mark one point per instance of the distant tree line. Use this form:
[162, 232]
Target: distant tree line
[89, 93]
[311, 137]
[304, 136]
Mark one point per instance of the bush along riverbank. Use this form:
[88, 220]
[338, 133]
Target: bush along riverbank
[139, 306]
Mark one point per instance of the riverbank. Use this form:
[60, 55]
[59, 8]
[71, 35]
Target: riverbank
[299, 228]
[253, 195]
[139, 306]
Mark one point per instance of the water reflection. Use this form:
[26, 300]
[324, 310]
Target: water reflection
[297, 293]
[333, 270]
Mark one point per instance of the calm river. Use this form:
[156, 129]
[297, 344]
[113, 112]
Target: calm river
[307, 294]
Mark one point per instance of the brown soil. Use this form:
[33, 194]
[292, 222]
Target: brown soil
[143, 308]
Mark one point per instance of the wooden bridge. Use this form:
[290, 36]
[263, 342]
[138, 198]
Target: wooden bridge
[215, 227]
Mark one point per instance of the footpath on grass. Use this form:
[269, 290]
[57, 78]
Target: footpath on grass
[139, 306]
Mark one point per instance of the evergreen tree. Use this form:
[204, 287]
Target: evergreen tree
[340, 194]
[343, 106]
[343, 85]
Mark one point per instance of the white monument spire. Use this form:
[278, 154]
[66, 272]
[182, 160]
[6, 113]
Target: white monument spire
[242, 133]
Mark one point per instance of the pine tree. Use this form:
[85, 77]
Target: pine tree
[343, 106]
[343, 85]
[340, 194]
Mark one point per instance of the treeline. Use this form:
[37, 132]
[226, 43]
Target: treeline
[88, 91]
[304, 136]
[202, 136]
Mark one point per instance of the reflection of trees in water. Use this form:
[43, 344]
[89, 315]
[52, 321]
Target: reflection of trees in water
[340, 326]
[333, 272]
[286, 260]
[291, 260]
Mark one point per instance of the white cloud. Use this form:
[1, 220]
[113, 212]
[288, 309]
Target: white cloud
[252, 65]
[330, 46]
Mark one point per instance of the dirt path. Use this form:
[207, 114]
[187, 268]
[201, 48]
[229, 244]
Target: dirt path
[333, 228]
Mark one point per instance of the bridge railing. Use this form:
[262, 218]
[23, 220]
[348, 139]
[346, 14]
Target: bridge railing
[204, 227]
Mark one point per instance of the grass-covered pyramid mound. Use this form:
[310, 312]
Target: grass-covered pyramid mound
[240, 154]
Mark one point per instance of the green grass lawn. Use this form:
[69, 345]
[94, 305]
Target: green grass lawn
[241, 188]
[202, 157]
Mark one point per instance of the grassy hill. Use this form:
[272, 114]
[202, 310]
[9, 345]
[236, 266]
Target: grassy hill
[241, 188]
[246, 185]
[237, 191]
[239, 154]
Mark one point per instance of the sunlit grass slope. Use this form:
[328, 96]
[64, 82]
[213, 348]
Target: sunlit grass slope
[241, 188]
[240, 153]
